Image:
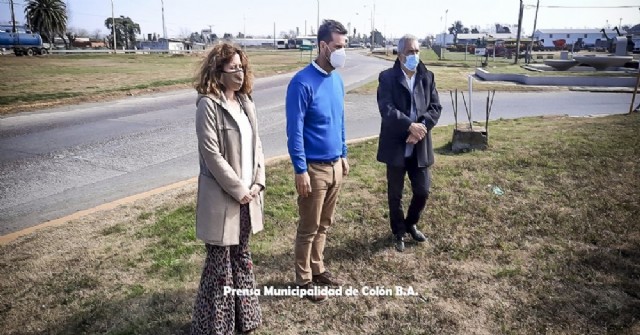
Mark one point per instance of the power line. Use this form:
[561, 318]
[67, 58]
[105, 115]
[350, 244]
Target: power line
[584, 7]
[4, 2]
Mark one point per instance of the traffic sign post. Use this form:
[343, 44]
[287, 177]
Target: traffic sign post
[305, 47]
[479, 52]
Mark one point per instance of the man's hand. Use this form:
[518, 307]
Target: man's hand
[345, 166]
[412, 139]
[303, 184]
[418, 130]
[255, 190]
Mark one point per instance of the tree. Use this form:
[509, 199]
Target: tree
[240, 35]
[97, 34]
[126, 31]
[195, 37]
[500, 29]
[48, 17]
[227, 36]
[475, 31]
[377, 37]
[184, 33]
[455, 29]
[71, 35]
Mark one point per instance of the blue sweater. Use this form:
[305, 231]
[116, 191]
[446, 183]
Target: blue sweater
[315, 117]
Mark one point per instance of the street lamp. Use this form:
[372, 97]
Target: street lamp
[164, 28]
[373, 25]
[113, 28]
[444, 35]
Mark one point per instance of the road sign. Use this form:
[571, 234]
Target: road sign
[306, 47]
[480, 51]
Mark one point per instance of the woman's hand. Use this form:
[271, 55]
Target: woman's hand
[255, 190]
[246, 199]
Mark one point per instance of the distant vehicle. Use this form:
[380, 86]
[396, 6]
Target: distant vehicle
[23, 41]
[282, 44]
[296, 43]
[356, 45]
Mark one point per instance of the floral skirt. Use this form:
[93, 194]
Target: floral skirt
[231, 266]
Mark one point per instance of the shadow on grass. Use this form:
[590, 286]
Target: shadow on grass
[599, 295]
[151, 313]
[444, 149]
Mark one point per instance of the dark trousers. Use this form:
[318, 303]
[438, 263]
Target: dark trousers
[420, 184]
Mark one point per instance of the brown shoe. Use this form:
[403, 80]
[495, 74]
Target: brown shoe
[328, 279]
[317, 298]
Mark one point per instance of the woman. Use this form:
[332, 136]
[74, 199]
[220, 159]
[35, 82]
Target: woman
[230, 188]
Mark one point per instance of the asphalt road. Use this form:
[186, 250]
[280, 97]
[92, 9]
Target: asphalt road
[58, 161]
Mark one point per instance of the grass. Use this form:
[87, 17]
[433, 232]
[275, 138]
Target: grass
[53, 80]
[452, 73]
[558, 253]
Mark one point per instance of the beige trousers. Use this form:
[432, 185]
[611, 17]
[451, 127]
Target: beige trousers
[316, 216]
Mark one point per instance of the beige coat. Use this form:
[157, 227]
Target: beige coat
[220, 186]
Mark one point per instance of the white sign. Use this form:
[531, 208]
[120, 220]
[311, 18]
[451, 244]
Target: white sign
[480, 51]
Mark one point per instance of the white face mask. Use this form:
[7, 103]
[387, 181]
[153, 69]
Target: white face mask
[338, 58]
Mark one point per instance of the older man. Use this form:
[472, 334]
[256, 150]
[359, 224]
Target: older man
[410, 108]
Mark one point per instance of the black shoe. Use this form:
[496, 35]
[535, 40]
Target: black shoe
[416, 234]
[399, 242]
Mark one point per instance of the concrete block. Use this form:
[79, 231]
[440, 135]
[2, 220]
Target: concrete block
[466, 139]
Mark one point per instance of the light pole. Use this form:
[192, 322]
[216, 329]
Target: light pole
[318, 18]
[113, 28]
[444, 35]
[164, 28]
[373, 25]
[13, 20]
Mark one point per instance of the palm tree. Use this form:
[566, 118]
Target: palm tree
[48, 17]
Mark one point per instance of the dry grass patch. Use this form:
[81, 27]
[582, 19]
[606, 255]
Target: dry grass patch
[39, 82]
[558, 253]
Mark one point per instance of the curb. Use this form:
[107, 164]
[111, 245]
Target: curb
[5, 239]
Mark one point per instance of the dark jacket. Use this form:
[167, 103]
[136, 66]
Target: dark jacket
[394, 103]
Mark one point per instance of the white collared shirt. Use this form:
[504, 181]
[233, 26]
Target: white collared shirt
[413, 114]
[319, 68]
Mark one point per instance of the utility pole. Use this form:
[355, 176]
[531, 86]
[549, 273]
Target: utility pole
[535, 22]
[373, 25]
[519, 32]
[13, 19]
[275, 46]
[318, 18]
[113, 28]
[164, 28]
[444, 35]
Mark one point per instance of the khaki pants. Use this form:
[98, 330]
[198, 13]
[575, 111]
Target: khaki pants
[316, 216]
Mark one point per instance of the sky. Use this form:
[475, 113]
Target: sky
[393, 18]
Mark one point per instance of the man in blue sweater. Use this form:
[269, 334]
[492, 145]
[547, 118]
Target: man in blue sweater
[316, 142]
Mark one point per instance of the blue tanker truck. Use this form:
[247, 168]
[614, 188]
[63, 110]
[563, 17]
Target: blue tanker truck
[23, 41]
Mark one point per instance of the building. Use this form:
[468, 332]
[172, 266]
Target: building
[163, 44]
[590, 37]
